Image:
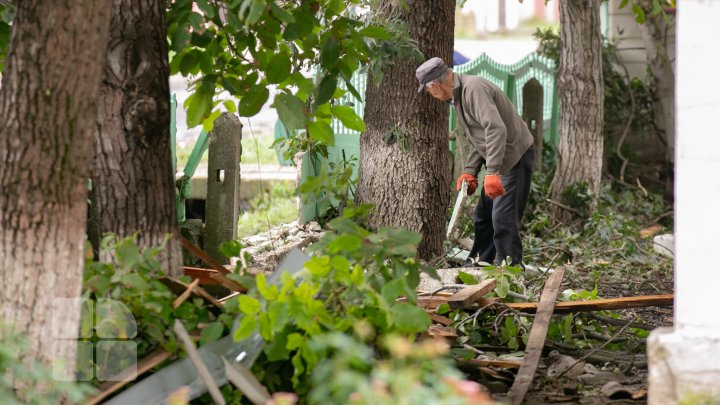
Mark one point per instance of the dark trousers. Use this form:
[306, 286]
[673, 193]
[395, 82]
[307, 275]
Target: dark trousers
[497, 222]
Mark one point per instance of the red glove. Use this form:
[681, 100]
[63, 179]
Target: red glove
[493, 186]
[471, 180]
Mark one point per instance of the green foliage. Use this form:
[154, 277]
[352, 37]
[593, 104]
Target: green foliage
[6, 14]
[410, 373]
[349, 286]
[36, 382]
[642, 8]
[132, 279]
[332, 190]
[245, 47]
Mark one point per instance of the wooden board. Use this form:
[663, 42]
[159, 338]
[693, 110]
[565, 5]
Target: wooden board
[536, 340]
[203, 256]
[663, 300]
[204, 275]
[129, 375]
[469, 295]
[493, 362]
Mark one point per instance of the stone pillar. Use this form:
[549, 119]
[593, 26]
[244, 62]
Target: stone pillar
[223, 184]
[532, 96]
[684, 361]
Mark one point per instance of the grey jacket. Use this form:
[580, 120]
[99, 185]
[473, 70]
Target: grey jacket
[494, 129]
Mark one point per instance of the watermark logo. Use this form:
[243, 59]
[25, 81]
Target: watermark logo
[106, 350]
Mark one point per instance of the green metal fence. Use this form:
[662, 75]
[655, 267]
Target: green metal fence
[512, 79]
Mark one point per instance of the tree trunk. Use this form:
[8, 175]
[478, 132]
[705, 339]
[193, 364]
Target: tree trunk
[580, 87]
[133, 185]
[654, 33]
[408, 181]
[47, 110]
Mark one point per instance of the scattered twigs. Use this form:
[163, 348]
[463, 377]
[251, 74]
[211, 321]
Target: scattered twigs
[602, 346]
[619, 322]
[563, 206]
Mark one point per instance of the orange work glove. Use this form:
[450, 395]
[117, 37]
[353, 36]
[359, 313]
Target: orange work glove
[471, 180]
[493, 186]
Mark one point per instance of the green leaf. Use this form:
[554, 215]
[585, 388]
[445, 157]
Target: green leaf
[344, 243]
[281, 14]
[127, 254]
[211, 333]
[294, 341]
[279, 314]
[326, 89]
[330, 53]
[256, 10]
[134, 280]
[291, 111]
[357, 277]
[639, 14]
[231, 248]
[442, 309]
[321, 131]
[466, 278]
[623, 3]
[348, 117]
[279, 68]
[269, 292]
[198, 106]
[248, 305]
[374, 32]
[393, 289]
[409, 318]
[253, 100]
[246, 328]
[503, 287]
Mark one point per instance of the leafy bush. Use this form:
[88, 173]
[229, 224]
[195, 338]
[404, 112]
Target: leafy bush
[23, 381]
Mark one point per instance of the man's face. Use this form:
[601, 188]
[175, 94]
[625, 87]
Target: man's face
[441, 91]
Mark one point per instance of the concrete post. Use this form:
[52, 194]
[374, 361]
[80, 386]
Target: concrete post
[684, 361]
[532, 96]
[223, 184]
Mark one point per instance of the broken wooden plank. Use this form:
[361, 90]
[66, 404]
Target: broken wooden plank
[493, 362]
[536, 340]
[204, 275]
[200, 366]
[182, 297]
[128, 375]
[430, 302]
[662, 300]
[442, 320]
[203, 256]
[457, 209]
[178, 287]
[444, 331]
[245, 381]
[469, 295]
[231, 285]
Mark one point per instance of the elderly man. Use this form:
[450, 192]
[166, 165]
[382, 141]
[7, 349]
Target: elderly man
[498, 139]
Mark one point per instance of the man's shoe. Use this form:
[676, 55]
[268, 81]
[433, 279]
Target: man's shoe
[468, 263]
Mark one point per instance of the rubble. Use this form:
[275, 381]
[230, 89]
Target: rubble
[268, 248]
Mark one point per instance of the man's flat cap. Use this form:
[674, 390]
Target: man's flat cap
[431, 69]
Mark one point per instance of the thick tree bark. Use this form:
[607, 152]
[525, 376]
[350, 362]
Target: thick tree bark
[580, 88]
[47, 111]
[409, 180]
[133, 185]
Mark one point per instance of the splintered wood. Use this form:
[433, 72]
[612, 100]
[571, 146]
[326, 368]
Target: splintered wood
[469, 295]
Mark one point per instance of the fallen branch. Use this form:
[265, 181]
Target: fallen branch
[619, 322]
